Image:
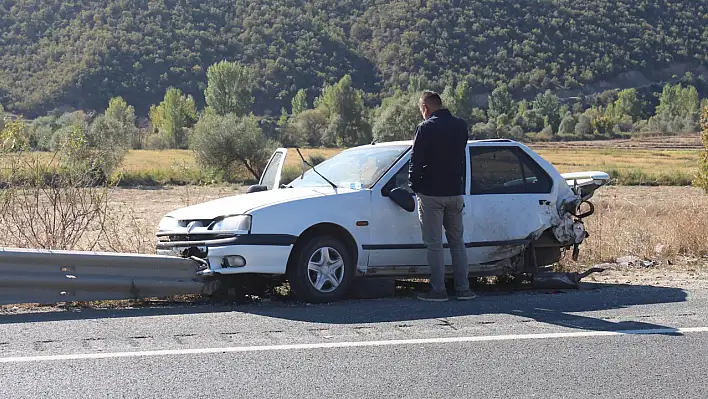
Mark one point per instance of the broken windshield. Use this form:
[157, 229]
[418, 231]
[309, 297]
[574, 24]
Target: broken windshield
[357, 167]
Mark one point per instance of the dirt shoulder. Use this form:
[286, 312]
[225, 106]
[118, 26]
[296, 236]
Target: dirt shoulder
[685, 273]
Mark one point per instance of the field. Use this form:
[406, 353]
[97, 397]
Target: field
[665, 167]
[664, 223]
[650, 211]
[646, 222]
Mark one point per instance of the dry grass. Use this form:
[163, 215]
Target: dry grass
[139, 160]
[684, 141]
[647, 222]
[132, 216]
[628, 166]
[651, 162]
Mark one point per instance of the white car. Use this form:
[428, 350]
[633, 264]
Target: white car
[354, 215]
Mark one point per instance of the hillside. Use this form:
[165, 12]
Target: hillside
[79, 53]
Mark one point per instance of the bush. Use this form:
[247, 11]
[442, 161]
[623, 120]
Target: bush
[702, 177]
[316, 159]
[290, 173]
[158, 141]
[484, 130]
[397, 119]
[517, 133]
[309, 127]
[13, 136]
[45, 202]
[230, 144]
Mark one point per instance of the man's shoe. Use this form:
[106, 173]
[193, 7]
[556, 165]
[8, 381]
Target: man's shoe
[465, 295]
[433, 297]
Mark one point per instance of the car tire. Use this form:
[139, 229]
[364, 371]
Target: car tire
[324, 262]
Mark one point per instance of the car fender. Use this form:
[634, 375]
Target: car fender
[349, 211]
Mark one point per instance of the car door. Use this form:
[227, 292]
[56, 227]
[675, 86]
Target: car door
[273, 170]
[508, 196]
[396, 238]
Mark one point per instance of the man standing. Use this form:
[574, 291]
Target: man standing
[436, 174]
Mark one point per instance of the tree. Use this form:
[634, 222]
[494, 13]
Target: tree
[584, 126]
[232, 144]
[627, 106]
[702, 178]
[458, 101]
[397, 118]
[2, 118]
[299, 102]
[13, 136]
[107, 140]
[310, 126]
[677, 111]
[229, 88]
[547, 105]
[567, 126]
[500, 103]
[345, 110]
[121, 116]
[173, 115]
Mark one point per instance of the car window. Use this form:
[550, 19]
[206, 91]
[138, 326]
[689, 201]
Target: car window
[400, 179]
[270, 173]
[506, 170]
[357, 167]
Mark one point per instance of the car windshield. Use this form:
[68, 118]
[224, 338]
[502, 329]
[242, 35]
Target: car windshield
[356, 167]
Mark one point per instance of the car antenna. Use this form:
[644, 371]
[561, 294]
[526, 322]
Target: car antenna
[315, 170]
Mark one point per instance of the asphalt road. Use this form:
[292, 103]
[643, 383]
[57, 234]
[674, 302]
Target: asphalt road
[611, 341]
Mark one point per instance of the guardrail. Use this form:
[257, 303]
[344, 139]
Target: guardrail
[50, 276]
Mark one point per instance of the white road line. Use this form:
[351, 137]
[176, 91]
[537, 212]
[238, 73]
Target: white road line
[351, 344]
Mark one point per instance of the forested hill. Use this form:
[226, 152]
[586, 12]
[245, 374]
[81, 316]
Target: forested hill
[82, 52]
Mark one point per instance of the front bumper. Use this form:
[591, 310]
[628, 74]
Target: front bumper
[263, 254]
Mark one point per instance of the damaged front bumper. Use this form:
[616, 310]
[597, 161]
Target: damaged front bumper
[240, 254]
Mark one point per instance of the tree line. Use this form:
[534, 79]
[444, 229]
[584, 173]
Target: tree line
[56, 53]
[228, 136]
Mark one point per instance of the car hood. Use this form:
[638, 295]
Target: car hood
[241, 204]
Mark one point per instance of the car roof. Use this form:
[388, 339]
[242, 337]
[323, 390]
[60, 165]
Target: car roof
[410, 142]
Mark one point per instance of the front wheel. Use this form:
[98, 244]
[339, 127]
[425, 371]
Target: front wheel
[321, 271]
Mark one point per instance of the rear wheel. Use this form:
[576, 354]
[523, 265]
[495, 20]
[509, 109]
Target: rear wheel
[321, 270]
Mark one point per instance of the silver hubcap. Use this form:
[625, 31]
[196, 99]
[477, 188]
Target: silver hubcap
[326, 269]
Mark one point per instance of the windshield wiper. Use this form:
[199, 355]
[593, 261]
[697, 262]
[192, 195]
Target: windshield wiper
[315, 170]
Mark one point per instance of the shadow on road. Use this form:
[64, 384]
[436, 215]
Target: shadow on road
[557, 307]
[552, 307]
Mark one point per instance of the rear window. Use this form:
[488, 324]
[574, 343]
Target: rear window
[506, 170]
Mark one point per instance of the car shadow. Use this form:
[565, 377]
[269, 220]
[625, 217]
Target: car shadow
[556, 307]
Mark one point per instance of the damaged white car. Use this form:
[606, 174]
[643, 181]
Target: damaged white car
[354, 216]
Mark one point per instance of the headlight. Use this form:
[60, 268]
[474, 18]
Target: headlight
[234, 223]
[168, 223]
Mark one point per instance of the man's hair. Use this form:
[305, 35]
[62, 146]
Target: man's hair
[431, 99]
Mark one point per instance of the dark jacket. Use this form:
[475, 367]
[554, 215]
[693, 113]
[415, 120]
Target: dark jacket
[437, 165]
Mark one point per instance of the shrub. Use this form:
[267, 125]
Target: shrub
[230, 144]
[290, 173]
[316, 159]
[158, 141]
[45, 202]
[702, 177]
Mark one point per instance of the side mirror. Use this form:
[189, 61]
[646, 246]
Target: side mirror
[402, 198]
[256, 188]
